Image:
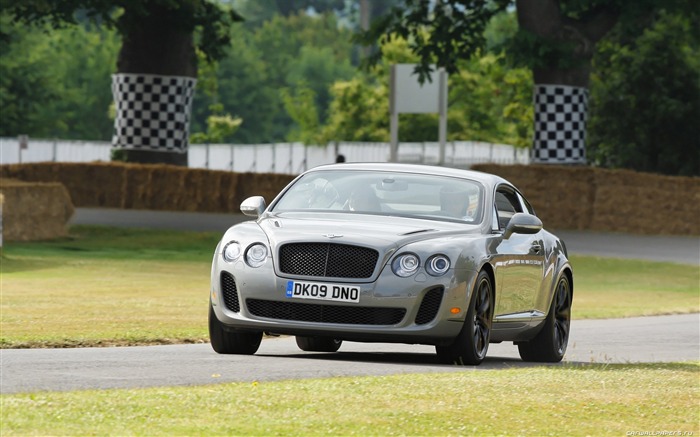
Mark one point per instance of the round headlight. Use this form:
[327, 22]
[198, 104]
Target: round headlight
[256, 254]
[405, 264]
[231, 251]
[437, 265]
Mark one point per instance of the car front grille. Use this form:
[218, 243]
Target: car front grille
[429, 306]
[327, 260]
[228, 289]
[321, 313]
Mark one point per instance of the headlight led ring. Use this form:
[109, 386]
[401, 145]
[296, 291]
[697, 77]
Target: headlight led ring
[256, 254]
[231, 251]
[437, 265]
[405, 265]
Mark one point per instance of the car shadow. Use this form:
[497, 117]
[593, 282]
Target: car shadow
[410, 359]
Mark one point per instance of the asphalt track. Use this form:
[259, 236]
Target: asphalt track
[640, 339]
[643, 339]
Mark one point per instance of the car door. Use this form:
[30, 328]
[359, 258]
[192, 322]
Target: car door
[519, 261]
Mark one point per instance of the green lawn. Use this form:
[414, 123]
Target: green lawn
[558, 400]
[106, 286]
[116, 286]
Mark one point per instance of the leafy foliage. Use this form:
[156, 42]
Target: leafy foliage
[646, 99]
[296, 53]
[441, 32]
[211, 20]
[57, 84]
[488, 101]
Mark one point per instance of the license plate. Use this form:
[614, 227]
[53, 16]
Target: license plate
[321, 291]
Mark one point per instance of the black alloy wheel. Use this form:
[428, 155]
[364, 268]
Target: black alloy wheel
[549, 346]
[472, 343]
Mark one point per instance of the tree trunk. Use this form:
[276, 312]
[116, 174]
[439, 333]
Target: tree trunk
[561, 93]
[154, 86]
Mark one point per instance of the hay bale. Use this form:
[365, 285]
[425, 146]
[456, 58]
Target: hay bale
[628, 201]
[562, 196]
[607, 200]
[34, 210]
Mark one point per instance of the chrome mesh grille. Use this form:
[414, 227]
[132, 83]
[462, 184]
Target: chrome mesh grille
[328, 260]
[321, 313]
[228, 289]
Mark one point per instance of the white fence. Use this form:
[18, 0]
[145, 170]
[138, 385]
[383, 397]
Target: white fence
[286, 158]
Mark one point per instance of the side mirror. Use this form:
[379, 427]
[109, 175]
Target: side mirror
[253, 206]
[522, 223]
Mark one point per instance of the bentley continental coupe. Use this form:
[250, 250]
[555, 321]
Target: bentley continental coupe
[395, 253]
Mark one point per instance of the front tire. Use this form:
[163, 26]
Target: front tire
[549, 346]
[472, 342]
[318, 344]
[226, 342]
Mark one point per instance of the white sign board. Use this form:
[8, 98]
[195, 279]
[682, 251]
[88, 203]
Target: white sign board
[409, 96]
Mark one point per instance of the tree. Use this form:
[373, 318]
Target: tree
[557, 38]
[157, 56]
[659, 131]
[57, 84]
[488, 101]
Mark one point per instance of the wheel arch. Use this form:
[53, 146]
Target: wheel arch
[488, 268]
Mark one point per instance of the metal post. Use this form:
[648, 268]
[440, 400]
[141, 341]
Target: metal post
[274, 157]
[393, 118]
[442, 107]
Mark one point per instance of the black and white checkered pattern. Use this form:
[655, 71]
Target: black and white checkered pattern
[153, 112]
[560, 124]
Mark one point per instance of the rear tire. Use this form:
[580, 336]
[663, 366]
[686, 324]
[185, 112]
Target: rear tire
[227, 342]
[472, 342]
[318, 344]
[549, 346]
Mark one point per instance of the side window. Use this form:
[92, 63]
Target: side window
[528, 208]
[507, 204]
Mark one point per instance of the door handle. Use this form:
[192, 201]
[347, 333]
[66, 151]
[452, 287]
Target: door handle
[536, 248]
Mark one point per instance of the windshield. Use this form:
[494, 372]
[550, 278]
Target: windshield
[385, 193]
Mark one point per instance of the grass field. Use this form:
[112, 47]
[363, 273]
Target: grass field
[611, 400]
[107, 286]
[104, 286]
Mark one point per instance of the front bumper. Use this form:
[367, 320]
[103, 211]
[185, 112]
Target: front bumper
[418, 309]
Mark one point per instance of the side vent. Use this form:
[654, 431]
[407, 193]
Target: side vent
[228, 289]
[429, 306]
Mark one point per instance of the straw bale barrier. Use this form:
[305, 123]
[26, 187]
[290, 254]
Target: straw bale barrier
[151, 186]
[607, 200]
[34, 210]
[564, 197]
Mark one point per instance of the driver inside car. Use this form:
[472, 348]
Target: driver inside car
[457, 203]
[363, 199]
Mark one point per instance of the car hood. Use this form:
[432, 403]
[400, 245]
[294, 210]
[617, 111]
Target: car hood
[380, 232]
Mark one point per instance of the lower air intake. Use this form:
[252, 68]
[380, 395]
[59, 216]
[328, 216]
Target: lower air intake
[228, 289]
[429, 306]
[320, 313]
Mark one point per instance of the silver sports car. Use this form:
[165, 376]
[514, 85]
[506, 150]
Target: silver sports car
[393, 253]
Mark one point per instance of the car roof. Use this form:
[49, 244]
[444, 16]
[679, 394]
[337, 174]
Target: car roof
[485, 178]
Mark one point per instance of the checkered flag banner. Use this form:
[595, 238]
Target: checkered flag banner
[560, 124]
[153, 112]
